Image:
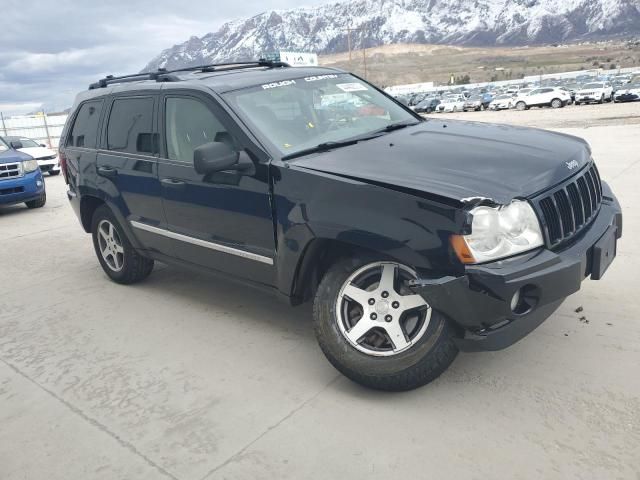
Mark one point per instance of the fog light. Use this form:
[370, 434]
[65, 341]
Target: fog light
[515, 300]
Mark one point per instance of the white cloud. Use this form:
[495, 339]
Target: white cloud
[51, 50]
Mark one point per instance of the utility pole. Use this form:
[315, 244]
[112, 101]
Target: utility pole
[364, 50]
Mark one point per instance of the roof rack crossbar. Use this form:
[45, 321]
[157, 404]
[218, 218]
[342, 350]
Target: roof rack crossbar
[164, 75]
[212, 67]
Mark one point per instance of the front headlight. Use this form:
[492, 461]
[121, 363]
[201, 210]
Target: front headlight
[29, 166]
[499, 232]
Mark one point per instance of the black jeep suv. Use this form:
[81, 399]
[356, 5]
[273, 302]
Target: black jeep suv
[414, 238]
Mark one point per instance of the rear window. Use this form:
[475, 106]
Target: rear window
[130, 127]
[85, 128]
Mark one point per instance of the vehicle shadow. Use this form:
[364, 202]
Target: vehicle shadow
[232, 297]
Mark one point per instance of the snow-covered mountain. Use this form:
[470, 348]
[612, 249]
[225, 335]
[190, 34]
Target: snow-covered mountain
[323, 29]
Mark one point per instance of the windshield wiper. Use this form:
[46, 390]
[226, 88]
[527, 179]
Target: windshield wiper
[323, 147]
[397, 126]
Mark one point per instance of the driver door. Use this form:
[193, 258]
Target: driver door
[221, 220]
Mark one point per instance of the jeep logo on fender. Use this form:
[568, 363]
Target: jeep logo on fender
[572, 164]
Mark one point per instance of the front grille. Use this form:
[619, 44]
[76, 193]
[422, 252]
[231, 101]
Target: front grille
[567, 209]
[9, 191]
[9, 171]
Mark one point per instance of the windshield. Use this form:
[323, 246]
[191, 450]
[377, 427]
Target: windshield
[27, 142]
[592, 85]
[301, 113]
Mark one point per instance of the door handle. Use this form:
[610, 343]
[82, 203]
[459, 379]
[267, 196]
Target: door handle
[108, 172]
[172, 183]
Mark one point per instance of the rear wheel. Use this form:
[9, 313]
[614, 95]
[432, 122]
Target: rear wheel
[556, 103]
[116, 255]
[376, 331]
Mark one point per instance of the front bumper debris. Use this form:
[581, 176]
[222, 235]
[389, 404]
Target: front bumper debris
[480, 301]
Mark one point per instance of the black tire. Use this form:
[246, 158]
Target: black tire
[521, 106]
[53, 173]
[601, 101]
[556, 103]
[420, 364]
[38, 203]
[135, 267]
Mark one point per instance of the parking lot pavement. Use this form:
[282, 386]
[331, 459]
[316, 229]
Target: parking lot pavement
[190, 377]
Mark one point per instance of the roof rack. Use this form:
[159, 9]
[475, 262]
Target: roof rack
[164, 75]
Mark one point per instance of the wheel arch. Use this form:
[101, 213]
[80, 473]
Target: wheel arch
[90, 201]
[88, 205]
[322, 252]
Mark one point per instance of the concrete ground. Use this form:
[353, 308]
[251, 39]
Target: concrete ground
[188, 377]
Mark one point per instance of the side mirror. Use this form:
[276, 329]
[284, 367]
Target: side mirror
[214, 157]
[16, 144]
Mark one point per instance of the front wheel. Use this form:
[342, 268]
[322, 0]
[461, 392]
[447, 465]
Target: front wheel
[376, 331]
[53, 173]
[116, 255]
[521, 106]
[39, 202]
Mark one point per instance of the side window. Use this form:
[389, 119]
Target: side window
[85, 128]
[189, 124]
[130, 127]
[547, 90]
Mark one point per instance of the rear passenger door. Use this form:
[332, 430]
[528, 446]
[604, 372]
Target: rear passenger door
[127, 165]
[222, 220]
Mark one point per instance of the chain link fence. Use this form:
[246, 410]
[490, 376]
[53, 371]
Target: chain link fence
[41, 127]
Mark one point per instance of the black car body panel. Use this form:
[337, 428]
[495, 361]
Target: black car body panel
[463, 160]
[399, 196]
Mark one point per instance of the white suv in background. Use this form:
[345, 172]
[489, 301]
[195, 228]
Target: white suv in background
[47, 158]
[594, 92]
[543, 97]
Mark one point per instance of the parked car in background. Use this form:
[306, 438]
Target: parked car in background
[543, 97]
[428, 105]
[46, 157]
[629, 93]
[594, 92]
[20, 178]
[572, 88]
[452, 104]
[478, 102]
[502, 102]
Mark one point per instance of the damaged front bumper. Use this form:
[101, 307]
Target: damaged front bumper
[482, 301]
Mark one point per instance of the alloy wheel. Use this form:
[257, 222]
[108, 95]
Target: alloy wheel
[376, 311]
[110, 244]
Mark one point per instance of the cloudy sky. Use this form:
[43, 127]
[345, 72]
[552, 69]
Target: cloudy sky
[50, 49]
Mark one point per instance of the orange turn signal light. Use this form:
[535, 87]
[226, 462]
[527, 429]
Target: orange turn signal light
[459, 245]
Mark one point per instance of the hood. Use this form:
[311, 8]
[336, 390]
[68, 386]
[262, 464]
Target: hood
[460, 160]
[12, 156]
[38, 152]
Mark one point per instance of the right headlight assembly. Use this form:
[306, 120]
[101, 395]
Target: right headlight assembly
[499, 232]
